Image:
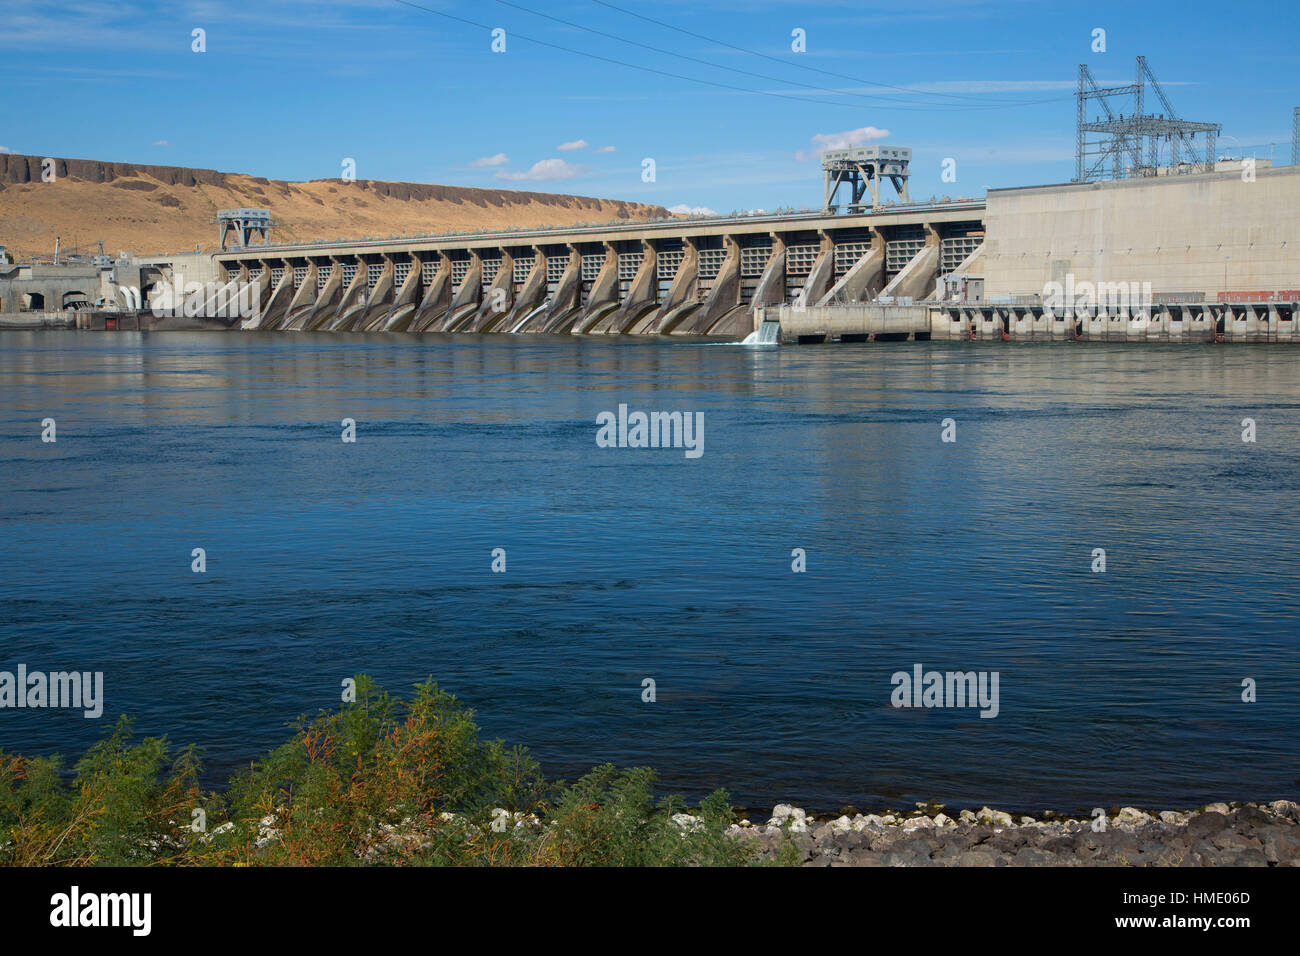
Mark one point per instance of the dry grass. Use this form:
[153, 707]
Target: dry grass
[153, 209]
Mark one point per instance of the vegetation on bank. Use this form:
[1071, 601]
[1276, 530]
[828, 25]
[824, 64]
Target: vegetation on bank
[380, 781]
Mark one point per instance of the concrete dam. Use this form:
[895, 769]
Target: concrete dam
[679, 277]
[1208, 256]
[1213, 256]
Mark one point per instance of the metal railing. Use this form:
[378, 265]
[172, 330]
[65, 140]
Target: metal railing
[513, 236]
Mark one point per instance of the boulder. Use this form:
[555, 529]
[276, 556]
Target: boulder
[1252, 816]
[783, 814]
[1132, 816]
[996, 818]
[1286, 808]
[1033, 856]
[1281, 845]
[1204, 824]
[977, 858]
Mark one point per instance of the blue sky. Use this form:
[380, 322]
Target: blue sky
[290, 88]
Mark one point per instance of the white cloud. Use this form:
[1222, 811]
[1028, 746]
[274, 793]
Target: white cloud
[576, 144]
[161, 142]
[606, 149]
[546, 170]
[681, 209]
[844, 140]
[5, 149]
[500, 159]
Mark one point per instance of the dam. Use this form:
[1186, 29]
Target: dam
[700, 277]
[1156, 238]
[1217, 254]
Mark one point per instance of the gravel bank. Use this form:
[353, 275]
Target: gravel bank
[1220, 834]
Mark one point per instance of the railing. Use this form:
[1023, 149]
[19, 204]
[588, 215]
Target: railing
[514, 235]
[1284, 295]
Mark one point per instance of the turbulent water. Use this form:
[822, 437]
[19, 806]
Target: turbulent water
[325, 558]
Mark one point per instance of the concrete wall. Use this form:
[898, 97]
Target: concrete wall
[198, 267]
[693, 277]
[50, 282]
[1179, 233]
[849, 322]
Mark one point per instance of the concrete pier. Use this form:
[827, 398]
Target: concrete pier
[1218, 322]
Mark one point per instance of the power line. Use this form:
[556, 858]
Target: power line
[693, 59]
[678, 76]
[635, 66]
[774, 59]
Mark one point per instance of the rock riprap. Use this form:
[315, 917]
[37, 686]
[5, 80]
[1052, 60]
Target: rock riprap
[1220, 834]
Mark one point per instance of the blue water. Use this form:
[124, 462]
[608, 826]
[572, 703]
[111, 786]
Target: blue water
[326, 559]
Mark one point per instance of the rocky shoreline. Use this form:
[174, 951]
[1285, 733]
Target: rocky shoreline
[1220, 834]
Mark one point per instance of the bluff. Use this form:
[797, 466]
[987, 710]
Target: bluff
[149, 209]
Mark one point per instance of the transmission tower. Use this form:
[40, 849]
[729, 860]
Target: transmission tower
[1132, 142]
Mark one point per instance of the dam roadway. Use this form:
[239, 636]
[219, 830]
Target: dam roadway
[697, 276]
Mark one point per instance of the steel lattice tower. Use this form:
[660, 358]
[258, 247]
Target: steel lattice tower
[1139, 143]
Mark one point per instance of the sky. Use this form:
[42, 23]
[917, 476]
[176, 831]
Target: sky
[731, 100]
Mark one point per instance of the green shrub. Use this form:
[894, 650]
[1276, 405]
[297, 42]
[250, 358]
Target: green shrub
[126, 804]
[379, 781]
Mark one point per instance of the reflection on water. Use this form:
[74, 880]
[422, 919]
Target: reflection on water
[326, 559]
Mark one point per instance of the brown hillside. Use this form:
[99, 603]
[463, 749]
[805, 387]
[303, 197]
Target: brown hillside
[152, 209]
